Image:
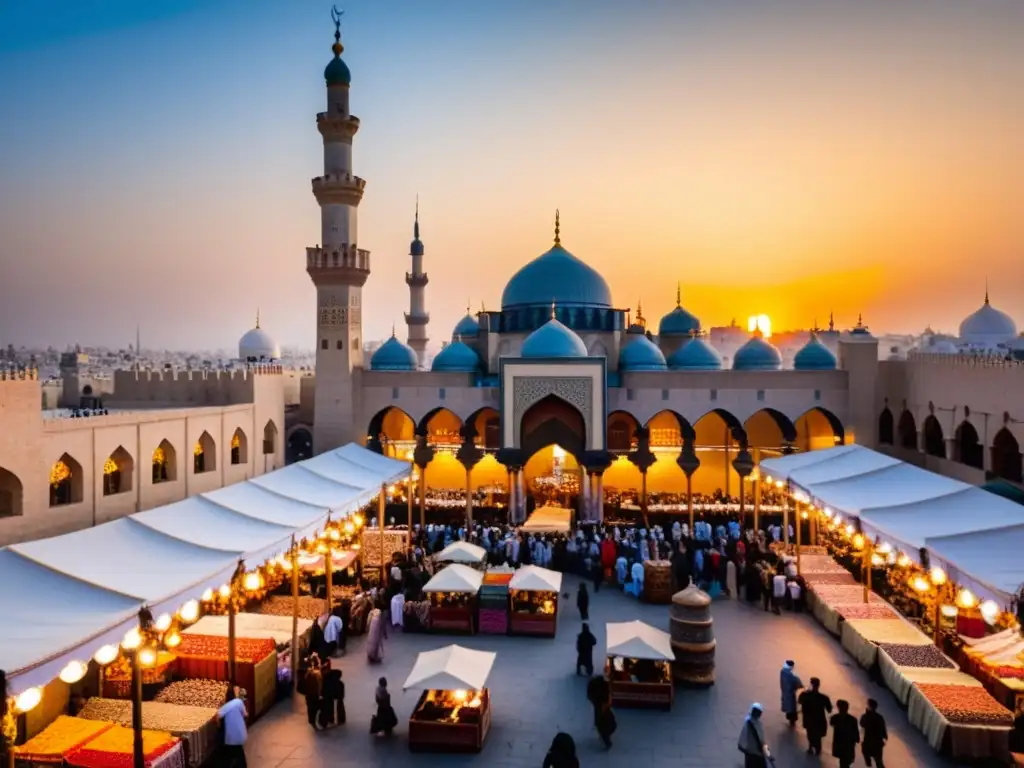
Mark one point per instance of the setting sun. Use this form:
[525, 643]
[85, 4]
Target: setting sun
[761, 323]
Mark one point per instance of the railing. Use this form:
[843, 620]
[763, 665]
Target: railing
[19, 374]
[346, 180]
[344, 256]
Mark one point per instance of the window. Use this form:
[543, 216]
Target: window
[817, 395]
[760, 395]
[664, 394]
[394, 393]
[323, 343]
[340, 345]
[440, 394]
[630, 394]
[714, 395]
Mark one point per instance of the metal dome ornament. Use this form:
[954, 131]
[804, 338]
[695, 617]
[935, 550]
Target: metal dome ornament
[678, 322]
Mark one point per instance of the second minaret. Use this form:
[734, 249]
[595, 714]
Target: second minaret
[417, 317]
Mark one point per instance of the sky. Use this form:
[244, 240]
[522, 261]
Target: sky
[786, 158]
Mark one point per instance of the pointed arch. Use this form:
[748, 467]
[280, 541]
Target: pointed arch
[391, 424]
[621, 431]
[886, 427]
[486, 423]
[908, 431]
[204, 454]
[769, 428]
[934, 439]
[672, 426]
[298, 445]
[967, 447]
[1006, 457]
[118, 471]
[552, 420]
[11, 494]
[269, 438]
[165, 463]
[441, 427]
[66, 481]
[239, 448]
[818, 428]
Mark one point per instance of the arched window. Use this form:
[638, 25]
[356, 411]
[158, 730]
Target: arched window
[270, 438]
[10, 494]
[118, 470]
[969, 450]
[934, 440]
[886, 428]
[239, 448]
[204, 454]
[1006, 458]
[165, 463]
[65, 482]
[908, 431]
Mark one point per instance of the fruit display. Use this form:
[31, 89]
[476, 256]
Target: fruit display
[843, 579]
[843, 595]
[866, 611]
[113, 749]
[966, 705]
[310, 608]
[60, 737]
[197, 693]
[247, 650]
[927, 656]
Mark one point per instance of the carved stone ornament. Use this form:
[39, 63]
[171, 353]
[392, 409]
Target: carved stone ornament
[578, 391]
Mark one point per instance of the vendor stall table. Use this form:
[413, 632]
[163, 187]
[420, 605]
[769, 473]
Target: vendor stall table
[860, 637]
[900, 680]
[206, 658]
[454, 712]
[639, 668]
[534, 595]
[59, 738]
[823, 601]
[254, 626]
[453, 598]
[113, 749]
[961, 740]
[195, 726]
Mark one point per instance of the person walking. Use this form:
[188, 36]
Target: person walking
[585, 642]
[332, 703]
[385, 720]
[561, 753]
[790, 685]
[312, 689]
[816, 707]
[600, 696]
[583, 601]
[845, 735]
[751, 741]
[875, 734]
[232, 715]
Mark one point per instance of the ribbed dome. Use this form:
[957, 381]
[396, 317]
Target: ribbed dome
[553, 340]
[641, 354]
[456, 357]
[757, 355]
[695, 355]
[987, 326]
[257, 344]
[466, 328]
[393, 355]
[556, 277]
[814, 356]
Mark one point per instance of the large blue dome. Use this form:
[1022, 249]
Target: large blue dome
[641, 354]
[695, 355]
[466, 328]
[456, 357]
[757, 355]
[393, 355]
[556, 277]
[553, 340]
[814, 356]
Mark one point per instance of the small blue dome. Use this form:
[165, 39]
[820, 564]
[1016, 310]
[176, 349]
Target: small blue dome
[416, 247]
[456, 357]
[757, 355]
[337, 72]
[678, 322]
[393, 355]
[695, 355]
[466, 328]
[553, 340]
[641, 354]
[556, 277]
[814, 356]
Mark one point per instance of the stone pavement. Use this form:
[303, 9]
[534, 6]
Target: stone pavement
[535, 694]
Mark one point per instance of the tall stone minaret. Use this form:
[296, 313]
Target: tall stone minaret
[337, 267]
[417, 317]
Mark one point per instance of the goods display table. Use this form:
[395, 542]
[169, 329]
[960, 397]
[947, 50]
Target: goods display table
[310, 608]
[860, 637]
[961, 720]
[900, 680]
[58, 739]
[534, 596]
[113, 749]
[450, 721]
[824, 601]
[254, 626]
[195, 726]
[206, 658]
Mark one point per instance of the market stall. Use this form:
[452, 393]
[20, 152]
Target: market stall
[548, 519]
[824, 601]
[255, 626]
[453, 598]
[860, 637]
[113, 748]
[998, 662]
[116, 678]
[453, 713]
[639, 667]
[903, 664]
[62, 736]
[462, 552]
[534, 595]
[494, 601]
[205, 657]
[196, 726]
[960, 719]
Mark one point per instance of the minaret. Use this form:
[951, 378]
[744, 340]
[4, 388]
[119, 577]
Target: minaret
[337, 267]
[417, 317]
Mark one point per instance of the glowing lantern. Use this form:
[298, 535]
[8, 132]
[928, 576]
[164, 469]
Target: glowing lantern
[251, 582]
[989, 611]
[132, 640]
[920, 583]
[172, 639]
[207, 595]
[224, 591]
[858, 540]
[938, 576]
[29, 699]
[902, 560]
[73, 672]
[966, 599]
[163, 622]
[189, 611]
[147, 657]
[850, 529]
[106, 655]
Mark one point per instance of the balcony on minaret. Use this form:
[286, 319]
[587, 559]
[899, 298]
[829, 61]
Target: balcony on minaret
[416, 281]
[338, 189]
[420, 319]
[337, 127]
[345, 265]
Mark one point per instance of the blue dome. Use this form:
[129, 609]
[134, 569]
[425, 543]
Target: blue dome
[814, 356]
[757, 355]
[416, 247]
[556, 277]
[553, 340]
[678, 322]
[393, 355]
[466, 328]
[641, 354]
[456, 357]
[337, 72]
[695, 355]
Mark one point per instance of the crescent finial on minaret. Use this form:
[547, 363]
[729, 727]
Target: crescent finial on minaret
[558, 240]
[336, 18]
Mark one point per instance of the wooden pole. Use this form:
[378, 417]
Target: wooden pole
[329, 575]
[138, 754]
[785, 521]
[232, 653]
[866, 569]
[381, 508]
[294, 555]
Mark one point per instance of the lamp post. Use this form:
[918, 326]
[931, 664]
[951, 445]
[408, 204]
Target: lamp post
[381, 504]
[142, 645]
[233, 586]
[293, 558]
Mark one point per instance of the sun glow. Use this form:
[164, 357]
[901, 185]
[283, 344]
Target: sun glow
[761, 323]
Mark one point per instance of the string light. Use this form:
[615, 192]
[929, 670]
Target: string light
[27, 700]
[73, 672]
[989, 611]
[938, 576]
[190, 611]
[106, 655]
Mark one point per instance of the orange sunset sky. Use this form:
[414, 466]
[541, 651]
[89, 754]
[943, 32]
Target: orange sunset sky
[788, 158]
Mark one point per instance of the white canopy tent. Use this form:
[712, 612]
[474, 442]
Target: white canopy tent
[852, 463]
[781, 467]
[390, 470]
[461, 552]
[891, 486]
[990, 563]
[453, 668]
[300, 484]
[456, 578]
[548, 519]
[532, 578]
[261, 503]
[636, 640]
[339, 469]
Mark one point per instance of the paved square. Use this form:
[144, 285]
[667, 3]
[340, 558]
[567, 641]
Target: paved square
[535, 694]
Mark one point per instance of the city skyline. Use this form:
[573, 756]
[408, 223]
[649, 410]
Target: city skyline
[790, 161]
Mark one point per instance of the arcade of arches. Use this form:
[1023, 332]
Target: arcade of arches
[552, 471]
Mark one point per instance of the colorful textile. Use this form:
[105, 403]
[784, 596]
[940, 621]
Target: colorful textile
[62, 736]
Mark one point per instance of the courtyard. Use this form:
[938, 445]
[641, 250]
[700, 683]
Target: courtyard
[535, 694]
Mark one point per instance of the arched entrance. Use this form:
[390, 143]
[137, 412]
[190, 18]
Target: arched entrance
[553, 439]
[299, 445]
[934, 440]
[718, 435]
[819, 428]
[969, 450]
[908, 431]
[10, 494]
[394, 431]
[886, 427]
[1006, 458]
